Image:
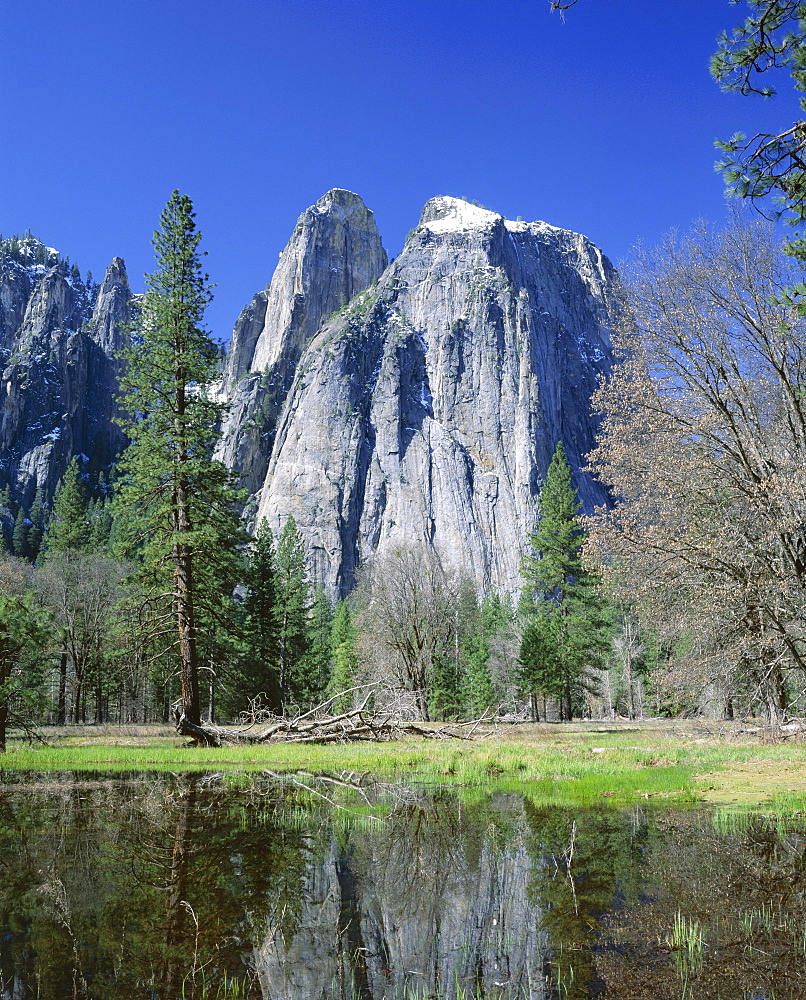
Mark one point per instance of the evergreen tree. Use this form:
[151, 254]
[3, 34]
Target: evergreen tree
[69, 528]
[181, 504]
[478, 693]
[555, 564]
[100, 520]
[479, 690]
[314, 675]
[23, 635]
[293, 606]
[566, 631]
[540, 671]
[343, 641]
[258, 664]
[6, 519]
[19, 539]
[39, 518]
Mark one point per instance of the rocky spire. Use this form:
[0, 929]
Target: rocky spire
[334, 252]
[59, 378]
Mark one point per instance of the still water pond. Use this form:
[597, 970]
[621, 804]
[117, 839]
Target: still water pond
[160, 887]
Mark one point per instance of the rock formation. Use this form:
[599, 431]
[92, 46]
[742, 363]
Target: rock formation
[427, 411]
[58, 340]
[385, 407]
[415, 911]
[335, 252]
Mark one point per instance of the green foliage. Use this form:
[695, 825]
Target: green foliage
[180, 505]
[292, 610]
[314, 675]
[480, 690]
[69, 526]
[99, 515]
[257, 673]
[6, 518]
[23, 635]
[540, 667]
[19, 538]
[462, 685]
[38, 518]
[555, 563]
[343, 642]
[567, 628]
[771, 38]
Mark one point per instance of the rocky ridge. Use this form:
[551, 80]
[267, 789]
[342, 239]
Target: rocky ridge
[415, 404]
[58, 341]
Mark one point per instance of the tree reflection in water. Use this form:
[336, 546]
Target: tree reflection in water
[165, 885]
[202, 886]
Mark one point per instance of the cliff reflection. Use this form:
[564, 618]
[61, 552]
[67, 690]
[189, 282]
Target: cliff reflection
[434, 903]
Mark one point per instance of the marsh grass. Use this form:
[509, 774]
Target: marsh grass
[556, 763]
[686, 939]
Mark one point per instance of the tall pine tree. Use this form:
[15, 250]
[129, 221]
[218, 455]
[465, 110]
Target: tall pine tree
[567, 626]
[69, 526]
[182, 504]
[293, 607]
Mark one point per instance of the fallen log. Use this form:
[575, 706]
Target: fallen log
[315, 726]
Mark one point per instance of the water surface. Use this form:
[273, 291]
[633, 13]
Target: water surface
[160, 887]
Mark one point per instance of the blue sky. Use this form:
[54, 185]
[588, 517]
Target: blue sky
[602, 122]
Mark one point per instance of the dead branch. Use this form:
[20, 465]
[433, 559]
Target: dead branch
[359, 724]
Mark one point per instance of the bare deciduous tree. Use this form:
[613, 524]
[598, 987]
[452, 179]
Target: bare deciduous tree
[703, 446]
[81, 591]
[410, 608]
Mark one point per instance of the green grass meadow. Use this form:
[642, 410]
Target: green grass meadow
[581, 763]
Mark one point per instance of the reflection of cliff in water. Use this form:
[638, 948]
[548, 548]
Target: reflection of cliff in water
[422, 905]
[198, 887]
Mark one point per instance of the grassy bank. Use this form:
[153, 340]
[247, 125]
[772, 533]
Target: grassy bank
[580, 761]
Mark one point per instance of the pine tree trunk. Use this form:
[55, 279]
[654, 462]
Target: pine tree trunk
[61, 711]
[775, 697]
[282, 660]
[174, 971]
[188, 671]
[77, 694]
[99, 694]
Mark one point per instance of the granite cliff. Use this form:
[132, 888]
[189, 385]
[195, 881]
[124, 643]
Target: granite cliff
[426, 411]
[58, 338]
[386, 406]
[334, 252]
